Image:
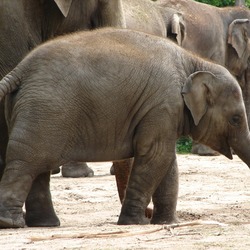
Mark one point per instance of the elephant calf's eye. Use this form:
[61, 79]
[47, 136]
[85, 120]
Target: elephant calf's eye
[235, 120]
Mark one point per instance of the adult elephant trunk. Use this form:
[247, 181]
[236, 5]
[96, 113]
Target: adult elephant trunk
[241, 147]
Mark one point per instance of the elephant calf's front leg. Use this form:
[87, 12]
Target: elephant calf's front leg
[143, 182]
[122, 171]
[138, 195]
[165, 197]
[154, 174]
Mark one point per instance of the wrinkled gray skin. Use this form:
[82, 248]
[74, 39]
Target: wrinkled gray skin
[188, 23]
[226, 41]
[24, 24]
[141, 15]
[155, 84]
[145, 16]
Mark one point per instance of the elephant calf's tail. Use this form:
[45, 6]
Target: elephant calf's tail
[9, 83]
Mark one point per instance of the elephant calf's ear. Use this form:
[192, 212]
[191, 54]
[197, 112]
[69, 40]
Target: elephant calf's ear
[195, 93]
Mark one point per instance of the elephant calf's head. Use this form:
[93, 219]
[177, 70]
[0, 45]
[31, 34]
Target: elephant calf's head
[218, 111]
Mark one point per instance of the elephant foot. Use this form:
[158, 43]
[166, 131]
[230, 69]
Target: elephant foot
[34, 219]
[203, 150]
[169, 219]
[76, 169]
[131, 215]
[133, 220]
[124, 220]
[11, 220]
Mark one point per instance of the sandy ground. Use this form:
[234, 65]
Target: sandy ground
[212, 189]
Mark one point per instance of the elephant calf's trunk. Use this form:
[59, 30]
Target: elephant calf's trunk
[242, 148]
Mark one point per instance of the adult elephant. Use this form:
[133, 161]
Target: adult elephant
[24, 24]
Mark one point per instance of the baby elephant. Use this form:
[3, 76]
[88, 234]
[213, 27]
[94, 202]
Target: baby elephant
[108, 95]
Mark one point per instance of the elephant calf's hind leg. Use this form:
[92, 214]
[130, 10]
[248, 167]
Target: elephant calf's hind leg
[14, 188]
[39, 207]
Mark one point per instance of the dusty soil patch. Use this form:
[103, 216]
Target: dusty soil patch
[211, 189]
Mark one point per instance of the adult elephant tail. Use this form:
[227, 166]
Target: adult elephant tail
[9, 83]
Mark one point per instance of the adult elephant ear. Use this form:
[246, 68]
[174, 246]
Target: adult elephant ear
[64, 6]
[197, 93]
[238, 33]
[178, 27]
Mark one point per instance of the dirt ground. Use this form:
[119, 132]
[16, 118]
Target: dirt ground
[213, 190]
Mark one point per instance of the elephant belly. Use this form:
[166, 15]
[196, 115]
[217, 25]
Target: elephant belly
[108, 152]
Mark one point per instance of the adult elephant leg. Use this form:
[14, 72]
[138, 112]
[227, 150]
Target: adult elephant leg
[39, 207]
[165, 197]
[76, 169]
[122, 171]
